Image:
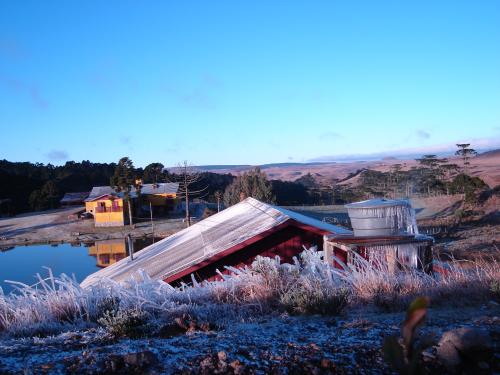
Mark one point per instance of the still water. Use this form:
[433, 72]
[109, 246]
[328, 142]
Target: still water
[22, 263]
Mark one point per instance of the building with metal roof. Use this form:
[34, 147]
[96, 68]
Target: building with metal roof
[74, 198]
[232, 237]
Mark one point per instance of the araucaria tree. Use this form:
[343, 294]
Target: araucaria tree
[153, 173]
[188, 178]
[431, 171]
[466, 153]
[123, 180]
[253, 183]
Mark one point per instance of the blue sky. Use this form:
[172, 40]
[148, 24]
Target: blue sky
[253, 82]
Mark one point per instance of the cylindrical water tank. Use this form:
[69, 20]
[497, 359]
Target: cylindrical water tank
[380, 217]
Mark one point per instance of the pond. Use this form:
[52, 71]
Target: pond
[22, 263]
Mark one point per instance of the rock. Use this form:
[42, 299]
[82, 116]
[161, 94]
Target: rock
[493, 304]
[222, 356]
[448, 355]
[464, 344]
[238, 367]
[140, 359]
[327, 363]
[207, 363]
[171, 330]
[483, 365]
[468, 340]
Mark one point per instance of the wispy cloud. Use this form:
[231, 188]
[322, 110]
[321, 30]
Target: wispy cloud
[211, 80]
[199, 96]
[330, 136]
[102, 80]
[197, 99]
[422, 134]
[57, 155]
[104, 75]
[30, 90]
[12, 50]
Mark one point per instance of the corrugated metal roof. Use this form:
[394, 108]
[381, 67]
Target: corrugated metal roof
[204, 239]
[161, 188]
[74, 197]
[99, 191]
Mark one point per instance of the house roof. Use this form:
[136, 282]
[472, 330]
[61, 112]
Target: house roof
[146, 189]
[100, 191]
[74, 197]
[207, 238]
[161, 188]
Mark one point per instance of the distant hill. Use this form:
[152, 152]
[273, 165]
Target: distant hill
[489, 154]
[486, 166]
[262, 166]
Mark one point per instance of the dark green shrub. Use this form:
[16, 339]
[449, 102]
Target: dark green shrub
[495, 289]
[311, 300]
[127, 323]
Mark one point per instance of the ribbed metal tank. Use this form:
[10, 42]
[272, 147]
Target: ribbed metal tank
[381, 217]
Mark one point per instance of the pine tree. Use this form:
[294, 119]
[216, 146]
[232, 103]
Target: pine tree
[253, 184]
[123, 180]
[153, 173]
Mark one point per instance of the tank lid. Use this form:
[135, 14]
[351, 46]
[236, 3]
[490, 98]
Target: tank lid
[378, 202]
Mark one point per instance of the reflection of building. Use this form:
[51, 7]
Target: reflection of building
[108, 208]
[108, 252]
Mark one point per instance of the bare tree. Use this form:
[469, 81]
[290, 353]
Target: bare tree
[218, 196]
[189, 179]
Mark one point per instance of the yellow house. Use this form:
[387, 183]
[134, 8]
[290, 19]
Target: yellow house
[109, 209]
[108, 252]
[161, 194]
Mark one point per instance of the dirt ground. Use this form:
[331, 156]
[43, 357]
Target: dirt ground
[348, 344]
[61, 225]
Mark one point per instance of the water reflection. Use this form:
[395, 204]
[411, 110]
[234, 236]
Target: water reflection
[108, 252]
[22, 263]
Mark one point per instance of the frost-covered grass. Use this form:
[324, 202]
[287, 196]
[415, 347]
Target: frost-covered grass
[142, 306]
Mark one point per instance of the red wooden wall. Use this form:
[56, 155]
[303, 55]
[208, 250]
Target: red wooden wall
[286, 242]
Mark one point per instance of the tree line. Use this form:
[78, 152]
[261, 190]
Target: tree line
[28, 186]
[431, 176]
[34, 186]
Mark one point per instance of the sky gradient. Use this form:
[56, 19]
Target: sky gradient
[235, 82]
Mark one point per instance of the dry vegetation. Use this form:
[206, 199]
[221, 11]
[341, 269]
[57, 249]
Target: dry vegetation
[143, 306]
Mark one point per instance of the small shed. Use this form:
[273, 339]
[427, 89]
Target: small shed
[74, 199]
[232, 237]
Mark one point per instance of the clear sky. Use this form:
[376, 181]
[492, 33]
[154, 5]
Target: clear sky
[237, 82]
